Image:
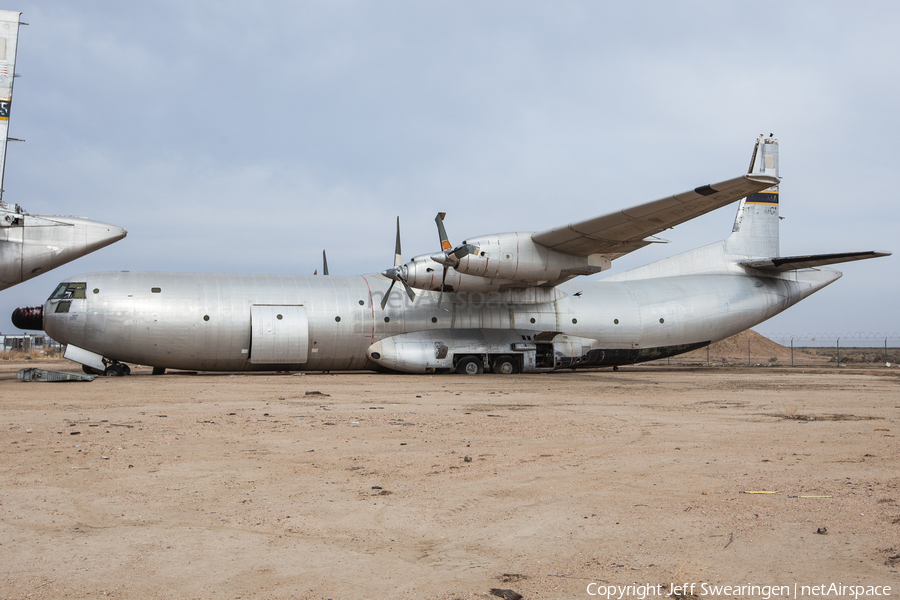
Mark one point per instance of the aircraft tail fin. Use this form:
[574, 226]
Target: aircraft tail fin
[9, 35]
[755, 231]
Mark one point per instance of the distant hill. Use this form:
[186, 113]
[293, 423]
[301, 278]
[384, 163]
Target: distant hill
[762, 350]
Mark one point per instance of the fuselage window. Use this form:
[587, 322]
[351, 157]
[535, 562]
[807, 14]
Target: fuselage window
[67, 291]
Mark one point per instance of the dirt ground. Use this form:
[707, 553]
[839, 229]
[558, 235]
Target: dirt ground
[377, 486]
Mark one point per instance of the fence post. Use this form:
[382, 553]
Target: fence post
[748, 353]
[792, 351]
[839, 350]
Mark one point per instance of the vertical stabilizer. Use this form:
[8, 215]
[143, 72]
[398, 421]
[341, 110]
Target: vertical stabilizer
[755, 231]
[9, 36]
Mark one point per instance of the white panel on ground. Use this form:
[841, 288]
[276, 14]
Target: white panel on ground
[279, 334]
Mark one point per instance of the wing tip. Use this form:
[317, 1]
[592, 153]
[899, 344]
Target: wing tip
[758, 178]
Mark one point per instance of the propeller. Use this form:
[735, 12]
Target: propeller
[324, 265]
[399, 272]
[449, 256]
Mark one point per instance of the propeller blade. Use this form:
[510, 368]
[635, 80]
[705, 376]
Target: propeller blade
[443, 279]
[409, 291]
[398, 261]
[387, 294]
[442, 233]
[324, 264]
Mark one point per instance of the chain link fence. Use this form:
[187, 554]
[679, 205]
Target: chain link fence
[841, 348]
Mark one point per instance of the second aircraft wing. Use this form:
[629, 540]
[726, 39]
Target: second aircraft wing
[616, 234]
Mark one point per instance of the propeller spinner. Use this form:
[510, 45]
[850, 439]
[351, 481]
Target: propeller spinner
[399, 272]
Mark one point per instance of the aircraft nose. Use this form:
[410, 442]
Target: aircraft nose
[64, 239]
[29, 317]
[97, 234]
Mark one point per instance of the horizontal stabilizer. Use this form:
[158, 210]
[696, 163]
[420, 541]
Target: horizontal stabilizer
[791, 263]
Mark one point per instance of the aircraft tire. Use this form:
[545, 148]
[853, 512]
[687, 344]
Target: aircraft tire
[616, 368]
[115, 370]
[159, 371]
[504, 365]
[470, 365]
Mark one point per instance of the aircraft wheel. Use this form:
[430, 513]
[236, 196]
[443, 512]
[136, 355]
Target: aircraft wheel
[470, 365]
[616, 368]
[115, 370]
[127, 369]
[504, 365]
[159, 370]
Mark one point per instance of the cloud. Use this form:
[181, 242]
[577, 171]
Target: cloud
[228, 138]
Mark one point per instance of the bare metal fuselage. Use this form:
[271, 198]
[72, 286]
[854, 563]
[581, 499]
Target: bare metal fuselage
[34, 244]
[203, 321]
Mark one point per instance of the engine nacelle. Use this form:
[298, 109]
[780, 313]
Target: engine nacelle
[423, 273]
[516, 257]
[443, 349]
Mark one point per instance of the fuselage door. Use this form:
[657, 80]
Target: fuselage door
[279, 334]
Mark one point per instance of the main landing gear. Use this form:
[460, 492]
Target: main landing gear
[470, 365]
[474, 365]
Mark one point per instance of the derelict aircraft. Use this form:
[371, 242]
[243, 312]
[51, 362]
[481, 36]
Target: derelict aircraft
[33, 244]
[494, 303]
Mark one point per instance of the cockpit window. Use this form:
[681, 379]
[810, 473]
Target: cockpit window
[67, 291]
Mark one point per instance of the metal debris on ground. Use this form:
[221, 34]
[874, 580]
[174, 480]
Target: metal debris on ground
[35, 374]
[822, 530]
[506, 594]
[316, 393]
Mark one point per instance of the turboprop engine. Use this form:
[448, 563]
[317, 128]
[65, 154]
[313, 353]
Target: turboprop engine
[515, 256]
[491, 263]
[472, 351]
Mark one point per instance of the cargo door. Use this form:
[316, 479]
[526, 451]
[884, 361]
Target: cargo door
[279, 334]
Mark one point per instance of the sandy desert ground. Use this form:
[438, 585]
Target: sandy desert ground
[378, 486]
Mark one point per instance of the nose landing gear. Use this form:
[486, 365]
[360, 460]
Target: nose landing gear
[113, 369]
[117, 370]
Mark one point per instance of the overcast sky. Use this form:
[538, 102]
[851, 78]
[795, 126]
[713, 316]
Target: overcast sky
[239, 137]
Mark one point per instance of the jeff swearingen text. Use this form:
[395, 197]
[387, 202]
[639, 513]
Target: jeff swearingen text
[702, 589]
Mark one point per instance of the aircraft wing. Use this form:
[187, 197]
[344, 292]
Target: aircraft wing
[624, 231]
[791, 263]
